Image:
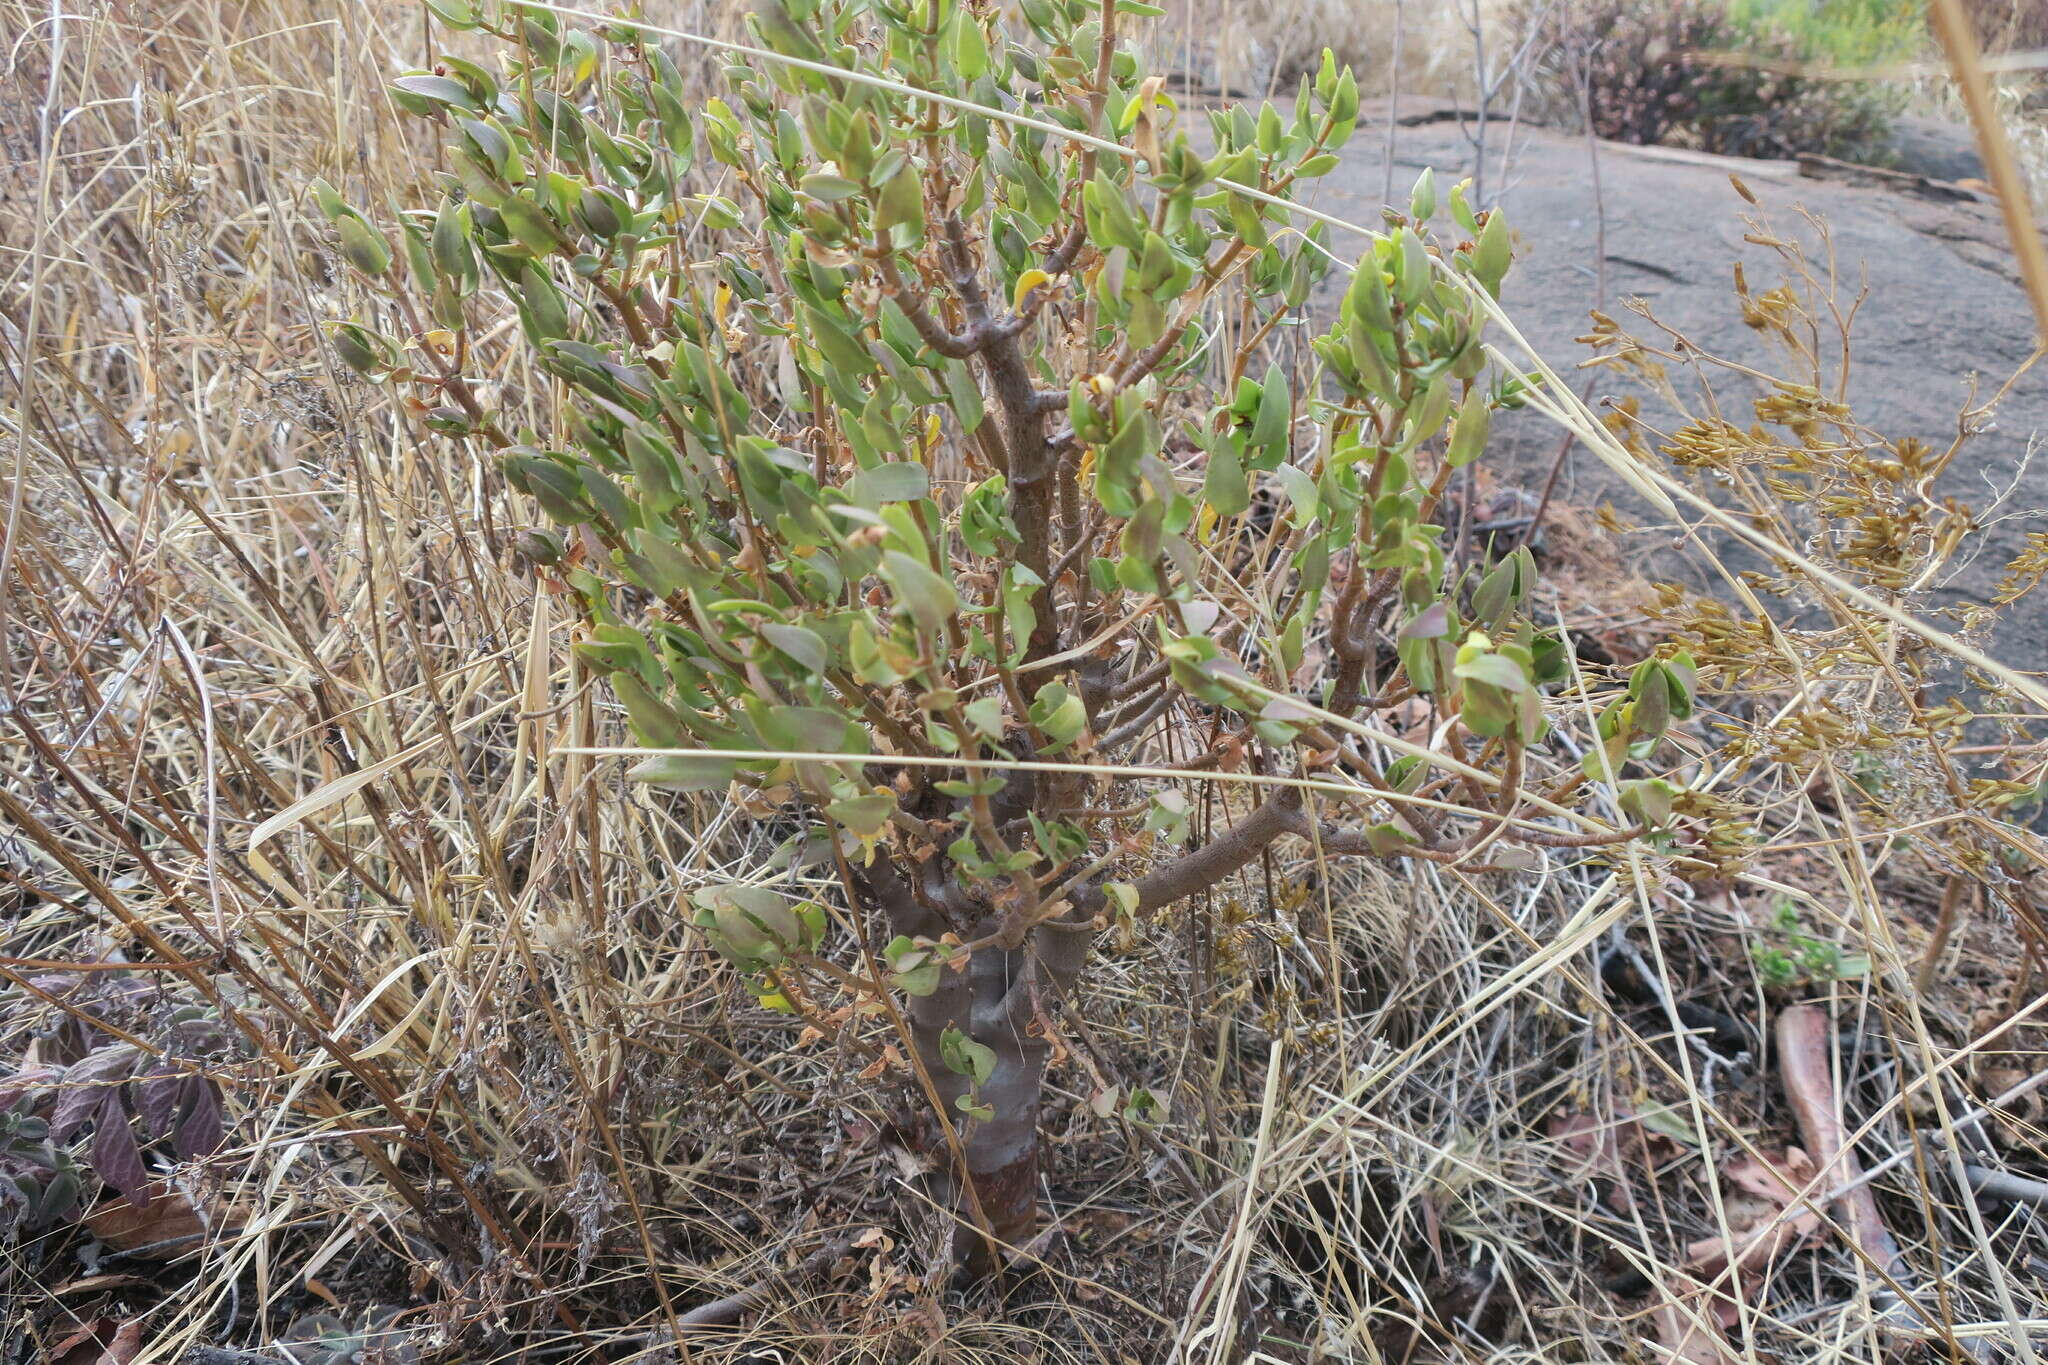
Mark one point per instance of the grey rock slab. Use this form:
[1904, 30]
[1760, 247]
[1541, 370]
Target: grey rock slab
[1944, 307]
[1935, 148]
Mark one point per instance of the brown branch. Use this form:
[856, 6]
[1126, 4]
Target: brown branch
[1132, 686]
[1221, 856]
[1805, 1037]
[1356, 843]
[1805, 1044]
[954, 345]
[1123, 731]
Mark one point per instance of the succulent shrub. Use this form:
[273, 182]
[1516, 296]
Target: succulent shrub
[938, 460]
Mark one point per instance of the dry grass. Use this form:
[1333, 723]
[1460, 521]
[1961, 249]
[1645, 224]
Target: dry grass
[487, 1077]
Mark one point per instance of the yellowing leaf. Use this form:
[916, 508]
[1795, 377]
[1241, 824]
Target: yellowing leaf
[1026, 282]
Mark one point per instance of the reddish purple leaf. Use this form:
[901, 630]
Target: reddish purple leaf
[200, 1131]
[1429, 624]
[114, 1153]
[157, 1099]
[86, 1085]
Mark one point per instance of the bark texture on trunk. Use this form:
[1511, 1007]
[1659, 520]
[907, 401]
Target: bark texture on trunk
[996, 1003]
[1006, 997]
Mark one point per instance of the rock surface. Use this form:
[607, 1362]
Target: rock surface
[1945, 306]
[1935, 148]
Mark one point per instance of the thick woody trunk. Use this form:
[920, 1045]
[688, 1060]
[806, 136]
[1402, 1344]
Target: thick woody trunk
[995, 1002]
[1001, 998]
[999, 1002]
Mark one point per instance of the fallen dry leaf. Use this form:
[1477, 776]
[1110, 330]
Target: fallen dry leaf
[1805, 1047]
[1776, 1180]
[1754, 1251]
[1602, 1145]
[2014, 1122]
[1766, 1219]
[1688, 1326]
[170, 1227]
[102, 1341]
